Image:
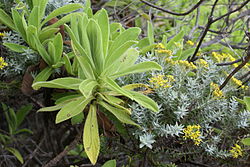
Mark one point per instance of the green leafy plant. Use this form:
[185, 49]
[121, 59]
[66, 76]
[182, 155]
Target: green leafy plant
[14, 120]
[102, 52]
[43, 39]
[110, 163]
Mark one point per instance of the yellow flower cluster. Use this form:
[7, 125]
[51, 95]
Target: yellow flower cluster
[219, 57]
[181, 63]
[168, 52]
[170, 61]
[2, 63]
[236, 151]
[162, 49]
[160, 46]
[202, 63]
[238, 83]
[2, 34]
[193, 132]
[217, 93]
[191, 43]
[224, 57]
[162, 81]
[186, 64]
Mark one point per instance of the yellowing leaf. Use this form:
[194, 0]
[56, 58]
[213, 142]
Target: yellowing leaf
[91, 139]
[72, 109]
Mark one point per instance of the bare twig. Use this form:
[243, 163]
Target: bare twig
[32, 155]
[245, 75]
[204, 33]
[55, 160]
[210, 22]
[231, 12]
[229, 63]
[171, 12]
[244, 62]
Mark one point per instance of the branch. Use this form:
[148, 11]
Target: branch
[229, 63]
[72, 145]
[209, 23]
[245, 60]
[170, 12]
[231, 12]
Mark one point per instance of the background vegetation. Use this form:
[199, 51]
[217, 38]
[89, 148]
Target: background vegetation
[136, 83]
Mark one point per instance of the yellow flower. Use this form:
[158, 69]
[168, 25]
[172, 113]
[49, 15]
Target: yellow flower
[2, 34]
[202, 63]
[238, 83]
[186, 64]
[170, 61]
[217, 93]
[2, 63]
[169, 52]
[219, 57]
[189, 42]
[160, 46]
[162, 81]
[193, 132]
[236, 151]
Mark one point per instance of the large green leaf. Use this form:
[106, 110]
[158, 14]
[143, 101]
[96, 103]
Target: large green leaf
[42, 7]
[114, 29]
[91, 140]
[103, 21]
[138, 68]
[185, 54]
[110, 163]
[47, 33]
[31, 34]
[246, 141]
[95, 41]
[62, 21]
[19, 24]
[85, 66]
[79, 50]
[110, 100]
[34, 17]
[67, 64]
[22, 112]
[16, 153]
[150, 31]
[145, 101]
[246, 99]
[72, 109]
[126, 60]
[177, 38]
[120, 114]
[44, 74]
[87, 86]
[62, 10]
[74, 22]
[15, 47]
[67, 98]
[51, 52]
[83, 36]
[115, 56]
[58, 43]
[6, 19]
[42, 51]
[52, 108]
[61, 83]
[127, 35]
[115, 87]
